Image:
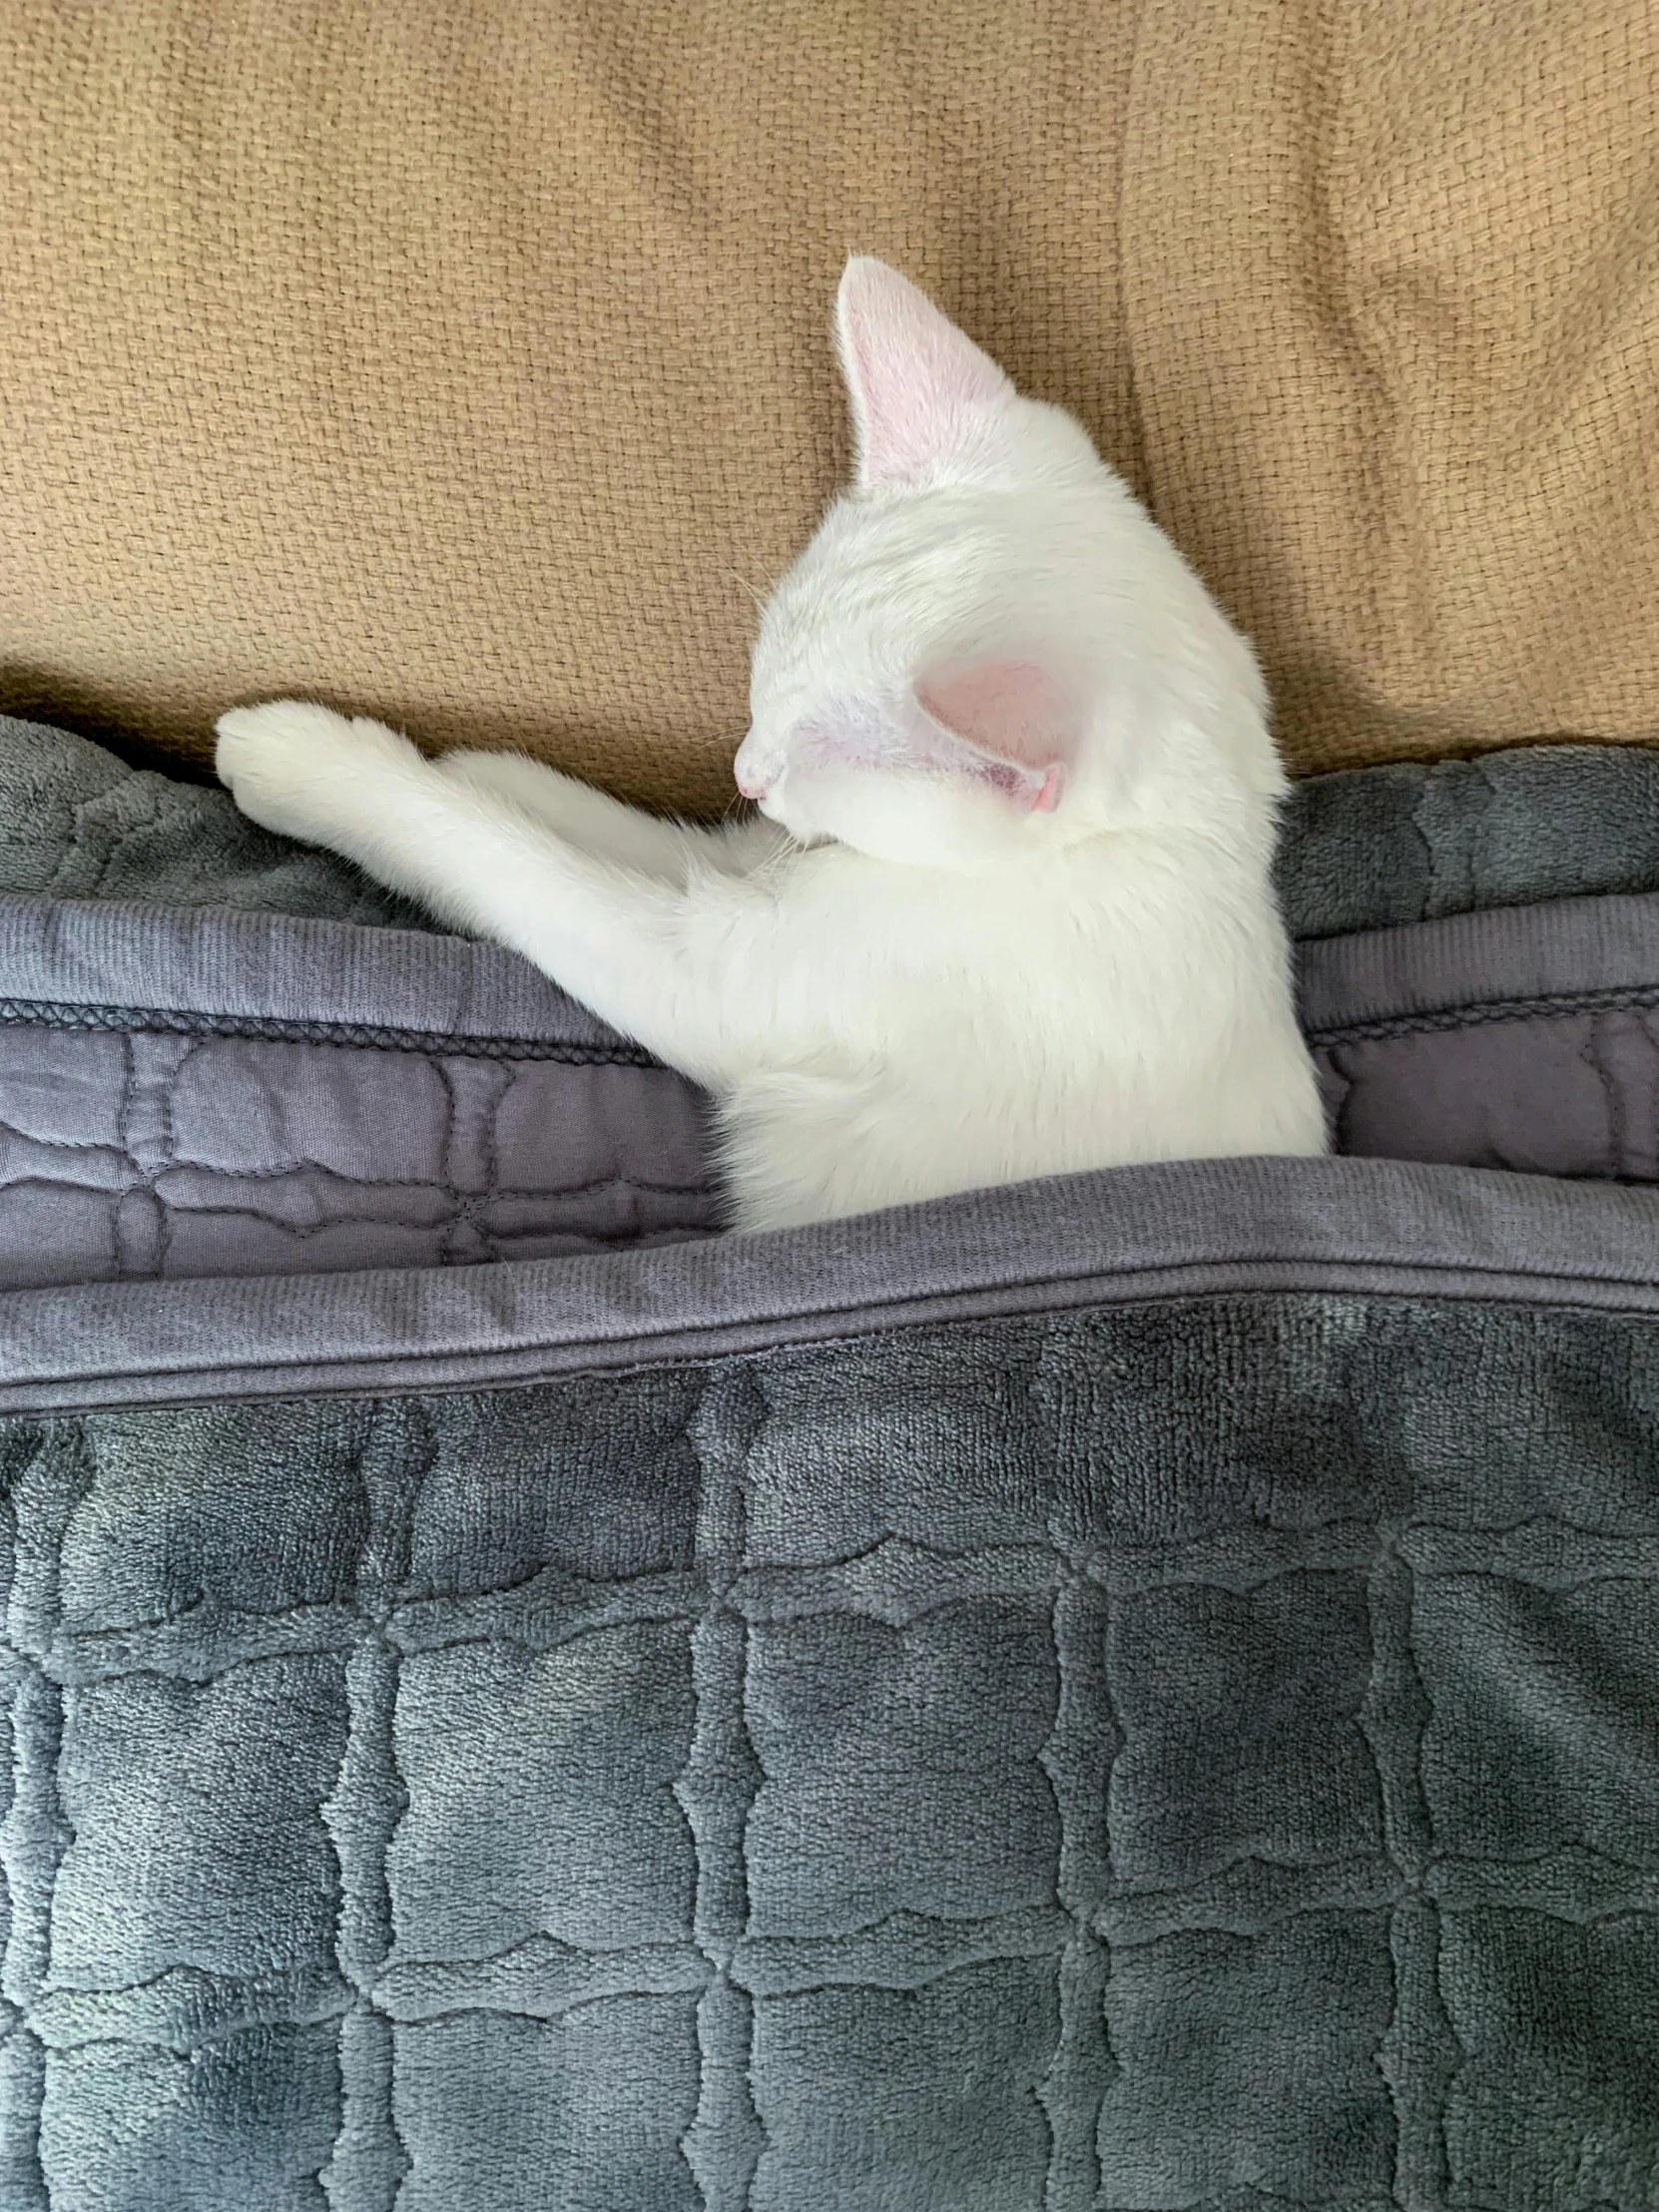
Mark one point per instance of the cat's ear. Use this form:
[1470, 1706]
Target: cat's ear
[920, 389]
[1016, 723]
[1012, 726]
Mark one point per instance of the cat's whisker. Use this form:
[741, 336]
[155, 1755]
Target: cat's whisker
[756, 592]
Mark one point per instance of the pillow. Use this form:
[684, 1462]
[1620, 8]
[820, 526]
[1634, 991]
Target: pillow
[469, 365]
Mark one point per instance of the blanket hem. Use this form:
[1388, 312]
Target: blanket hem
[1129, 1235]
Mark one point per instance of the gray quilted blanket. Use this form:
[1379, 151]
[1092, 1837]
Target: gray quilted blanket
[1127, 1694]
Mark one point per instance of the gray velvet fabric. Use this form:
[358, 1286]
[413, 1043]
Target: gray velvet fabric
[222, 1055]
[1369, 849]
[304, 1096]
[1363, 849]
[987, 1768]
[300, 1096]
[1125, 1694]
[147, 1154]
[1523, 1037]
[1124, 1236]
[77, 822]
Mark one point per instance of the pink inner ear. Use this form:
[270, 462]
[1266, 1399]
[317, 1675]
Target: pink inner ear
[1014, 713]
[919, 387]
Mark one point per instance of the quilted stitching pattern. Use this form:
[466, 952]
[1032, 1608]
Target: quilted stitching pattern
[158, 1153]
[1566, 1093]
[161, 1154]
[989, 1769]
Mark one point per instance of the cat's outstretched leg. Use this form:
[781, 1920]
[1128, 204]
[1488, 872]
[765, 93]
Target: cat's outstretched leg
[616, 935]
[605, 827]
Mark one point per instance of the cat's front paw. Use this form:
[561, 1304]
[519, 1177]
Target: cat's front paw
[290, 764]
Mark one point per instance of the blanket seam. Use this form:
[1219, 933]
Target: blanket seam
[47, 1014]
[1550, 1005]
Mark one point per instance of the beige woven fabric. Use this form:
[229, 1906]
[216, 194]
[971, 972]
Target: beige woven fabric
[1393, 295]
[467, 363]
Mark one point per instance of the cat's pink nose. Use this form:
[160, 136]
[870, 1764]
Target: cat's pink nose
[751, 787]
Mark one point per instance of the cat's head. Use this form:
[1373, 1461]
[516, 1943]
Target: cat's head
[988, 648]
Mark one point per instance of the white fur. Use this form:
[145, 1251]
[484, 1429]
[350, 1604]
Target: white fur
[908, 976]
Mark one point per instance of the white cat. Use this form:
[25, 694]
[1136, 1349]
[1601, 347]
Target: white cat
[1007, 909]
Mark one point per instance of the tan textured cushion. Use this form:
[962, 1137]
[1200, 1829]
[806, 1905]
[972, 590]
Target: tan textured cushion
[469, 363]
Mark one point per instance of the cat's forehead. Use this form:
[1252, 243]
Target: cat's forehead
[888, 572]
